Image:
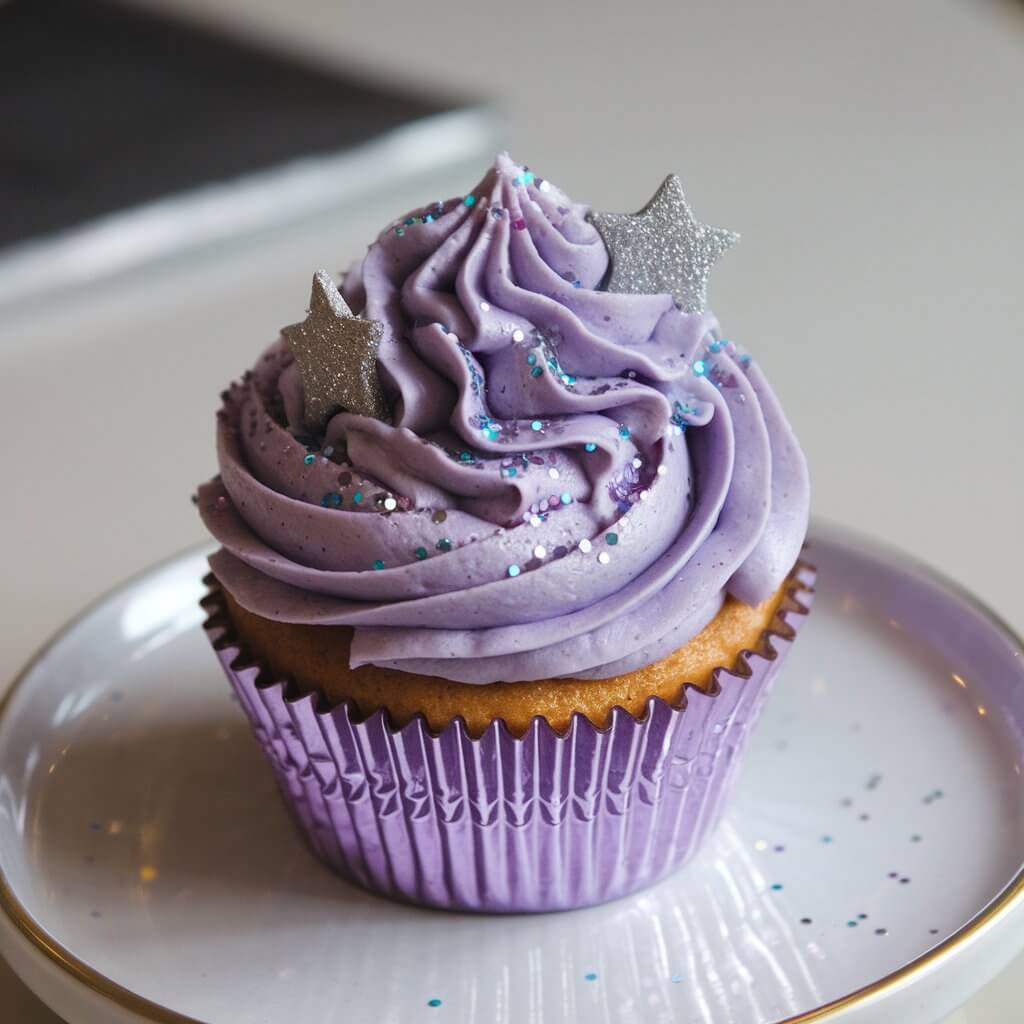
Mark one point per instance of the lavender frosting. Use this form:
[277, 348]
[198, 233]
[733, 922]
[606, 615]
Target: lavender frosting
[572, 481]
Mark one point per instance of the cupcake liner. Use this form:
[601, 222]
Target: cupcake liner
[500, 823]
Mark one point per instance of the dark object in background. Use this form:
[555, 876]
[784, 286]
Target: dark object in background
[105, 109]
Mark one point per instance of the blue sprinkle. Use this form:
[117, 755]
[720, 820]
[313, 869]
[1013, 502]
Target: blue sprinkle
[429, 217]
[576, 284]
[469, 200]
[531, 359]
[433, 1002]
[309, 459]
[410, 220]
[536, 425]
[623, 431]
[465, 456]
[491, 433]
[536, 371]
[776, 887]
[676, 979]
[826, 839]
[566, 498]
[378, 564]
[612, 538]
[511, 471]
[399, 231]
[744, 360]
[528, 177]
[699, 368]
[514, 570]
[592, 976]
[358, 497]
[590, 447]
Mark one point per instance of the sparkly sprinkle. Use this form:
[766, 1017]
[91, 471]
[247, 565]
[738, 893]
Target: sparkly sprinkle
[390, 504]
[590, 447]
[536, 371]
[439, 516]
[623, 431]
[485, 306]
[565, 498]
[517, 335]
[444, 544]
[433, 1002]
[540, 551]
[309, 459]
[378, 564]
[469, 200]
[604, 558]
[776, 887]
[699, 368]
[531, 359]
[536, 425]
[514, 570]
[357, 498]
[585, 546]
[420, 553]
[612, 538]
[592, 976]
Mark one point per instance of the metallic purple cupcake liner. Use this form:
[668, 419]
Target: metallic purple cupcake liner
[501, 823]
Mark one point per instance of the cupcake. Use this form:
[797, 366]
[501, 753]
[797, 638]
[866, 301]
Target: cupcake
[510, 550]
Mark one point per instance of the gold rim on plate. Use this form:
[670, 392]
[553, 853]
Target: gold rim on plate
[1001, 905]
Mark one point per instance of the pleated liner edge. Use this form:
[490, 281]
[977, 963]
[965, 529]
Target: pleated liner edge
[500, 823]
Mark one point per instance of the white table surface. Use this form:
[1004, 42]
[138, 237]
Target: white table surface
[871, 154]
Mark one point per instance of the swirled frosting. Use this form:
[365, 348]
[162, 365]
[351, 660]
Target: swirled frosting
[572, 480]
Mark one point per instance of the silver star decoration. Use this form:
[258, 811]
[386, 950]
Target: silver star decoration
[663, 248]
[336, 353]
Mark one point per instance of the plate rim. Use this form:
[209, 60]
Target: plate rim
[826, 530]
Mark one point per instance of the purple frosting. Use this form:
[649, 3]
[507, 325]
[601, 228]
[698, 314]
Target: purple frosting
[573, 479]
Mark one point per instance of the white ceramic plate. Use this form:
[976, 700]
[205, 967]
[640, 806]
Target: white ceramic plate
[867, 870]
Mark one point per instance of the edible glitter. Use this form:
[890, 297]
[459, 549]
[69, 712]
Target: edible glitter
[612, 538]
[585, 546]
[604, 558]
[469, 200]
[420, 553]
[357, 498]
[590, 447]
[623, 431]
[540, 551]
[514, 570]
[378, 564]
[309, 459]
[444, 544]
[536, 425]
[517, 335]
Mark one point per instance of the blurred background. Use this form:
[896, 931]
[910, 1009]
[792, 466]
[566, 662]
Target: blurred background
[165, 193]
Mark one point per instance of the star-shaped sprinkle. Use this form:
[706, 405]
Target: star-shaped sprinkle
[663, 248]
[336, 353]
